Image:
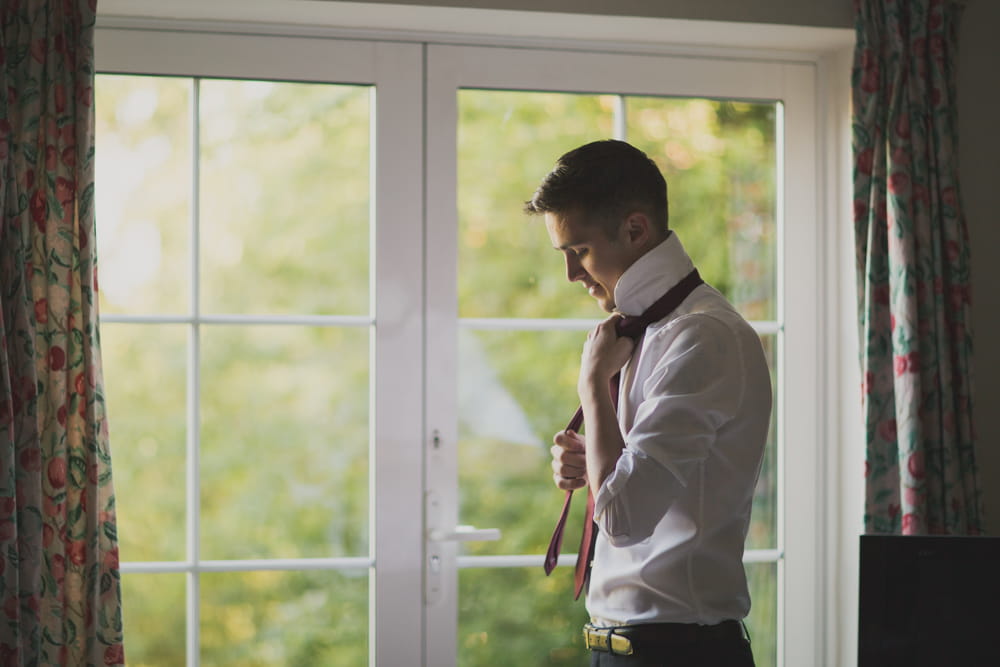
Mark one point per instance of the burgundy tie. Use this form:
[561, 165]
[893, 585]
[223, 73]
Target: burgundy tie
[633, 327]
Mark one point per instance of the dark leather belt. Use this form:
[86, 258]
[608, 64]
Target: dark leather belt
[629, 639]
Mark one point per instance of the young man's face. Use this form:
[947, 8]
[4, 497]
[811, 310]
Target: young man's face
[591, 257]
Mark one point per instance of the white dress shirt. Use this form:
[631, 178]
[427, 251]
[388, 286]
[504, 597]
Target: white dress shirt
[695, 410]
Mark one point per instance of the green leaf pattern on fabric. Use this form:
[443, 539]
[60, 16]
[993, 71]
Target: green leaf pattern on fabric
[912, 272]
[60, 590]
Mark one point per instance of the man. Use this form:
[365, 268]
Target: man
[673, 472]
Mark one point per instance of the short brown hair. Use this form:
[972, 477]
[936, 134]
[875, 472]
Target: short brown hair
[605, 181]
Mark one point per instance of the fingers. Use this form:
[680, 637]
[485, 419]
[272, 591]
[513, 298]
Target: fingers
[611, 323]
[568, 464]
[569, 484]
[604, 353]
[570, 440]
[607, 327]
[569, 461]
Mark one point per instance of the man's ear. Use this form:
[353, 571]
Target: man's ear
[639, 229]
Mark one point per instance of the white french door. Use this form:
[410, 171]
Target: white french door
[260, 205]
[358, 458]
[504, 330]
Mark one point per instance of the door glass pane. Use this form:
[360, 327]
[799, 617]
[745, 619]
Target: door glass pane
[720, 162]
[145, 375]
[535, 622]
[284, 201]
[511, 401]
[763, 533]
[153, 607]
[283, 219]
[274, 618]
[143, 191]
[516, 389]
[284, 442]
[508, 141]
[762, 623]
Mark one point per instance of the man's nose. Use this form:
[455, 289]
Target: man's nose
[574, 271]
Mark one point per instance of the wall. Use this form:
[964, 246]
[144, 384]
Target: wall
[818, 13]
[979, 148]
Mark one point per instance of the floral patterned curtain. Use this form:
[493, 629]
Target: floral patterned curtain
[913, 271]
[60, 595]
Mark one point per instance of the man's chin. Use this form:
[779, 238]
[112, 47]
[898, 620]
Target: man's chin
[603, 299]
[606, 304]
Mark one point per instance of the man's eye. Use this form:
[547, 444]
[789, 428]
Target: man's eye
[580, 252]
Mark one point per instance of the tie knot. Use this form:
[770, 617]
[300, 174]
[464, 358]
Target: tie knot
[633, 326]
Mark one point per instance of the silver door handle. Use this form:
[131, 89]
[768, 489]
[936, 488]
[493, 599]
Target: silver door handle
[437, 553]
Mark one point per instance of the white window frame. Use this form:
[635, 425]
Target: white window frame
[832, 477]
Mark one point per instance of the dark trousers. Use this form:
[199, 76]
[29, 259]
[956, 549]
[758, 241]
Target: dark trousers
[729, 652]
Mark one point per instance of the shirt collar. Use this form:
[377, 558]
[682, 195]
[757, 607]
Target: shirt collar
[651, 276]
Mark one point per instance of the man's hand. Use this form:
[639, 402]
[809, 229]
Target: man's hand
[604, 354]
[569, 460]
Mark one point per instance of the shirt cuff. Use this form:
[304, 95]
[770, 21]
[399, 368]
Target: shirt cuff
[612, 517]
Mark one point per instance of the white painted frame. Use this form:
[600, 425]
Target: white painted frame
[801, 394]
[396, 537]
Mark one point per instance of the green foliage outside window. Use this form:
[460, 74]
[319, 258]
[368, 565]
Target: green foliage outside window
[283, 417]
